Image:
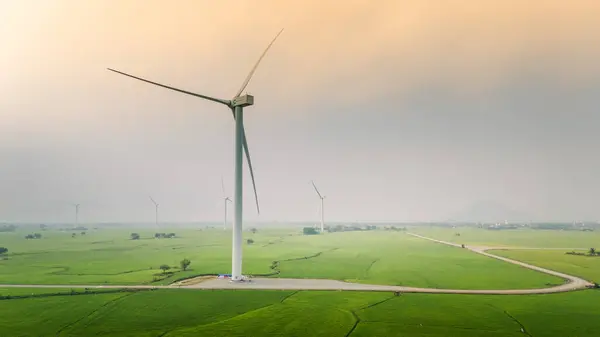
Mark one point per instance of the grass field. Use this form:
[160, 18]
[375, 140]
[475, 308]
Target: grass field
[284, 313]
[585, 267]
[513, 238]
[110, 257]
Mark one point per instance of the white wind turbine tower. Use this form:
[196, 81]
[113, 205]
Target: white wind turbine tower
[226, 200]
[155, 212]
[322, 197]
[236, 105]
[76, 214]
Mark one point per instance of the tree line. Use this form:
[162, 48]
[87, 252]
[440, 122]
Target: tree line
[136, 236]
[591, 252]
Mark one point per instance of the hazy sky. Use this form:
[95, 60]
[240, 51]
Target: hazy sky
[399, 110]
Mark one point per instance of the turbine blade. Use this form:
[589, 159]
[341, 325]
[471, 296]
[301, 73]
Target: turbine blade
[249, 77]
[223, 187]
[154, 202]
[218, 100]
[315, 186]
[245, 144]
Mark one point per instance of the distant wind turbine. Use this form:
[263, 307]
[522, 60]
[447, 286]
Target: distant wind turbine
[322, 197]
[76, 214]
[226, 200]
[155, 211]
[236, 105]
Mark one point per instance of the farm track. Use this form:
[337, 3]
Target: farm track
[573, 282]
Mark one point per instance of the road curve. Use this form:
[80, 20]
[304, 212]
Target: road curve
[573, 282]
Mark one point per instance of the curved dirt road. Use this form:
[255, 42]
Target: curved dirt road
[573, 282]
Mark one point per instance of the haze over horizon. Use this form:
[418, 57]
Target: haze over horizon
[399, 111]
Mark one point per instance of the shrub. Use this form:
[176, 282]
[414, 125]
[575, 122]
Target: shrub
[309, 231]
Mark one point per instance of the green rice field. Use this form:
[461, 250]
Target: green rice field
[109, 256]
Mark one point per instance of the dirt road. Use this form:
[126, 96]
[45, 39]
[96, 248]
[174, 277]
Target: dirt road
[573, 282]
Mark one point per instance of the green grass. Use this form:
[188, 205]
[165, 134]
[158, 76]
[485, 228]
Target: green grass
[108, 256]
[41, 291]
[284, 313]
[513, 238]
[176, 309]
[586, 267]
[398, 259]
[567, 314]
[49, 315]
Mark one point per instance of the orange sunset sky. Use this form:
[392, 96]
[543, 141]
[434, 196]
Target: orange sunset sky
[399, 110]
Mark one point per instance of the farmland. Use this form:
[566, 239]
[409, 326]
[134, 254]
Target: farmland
[513, 238]
[110, 256]
[283, 313]
[554, 245]
[378, 257]
[583, 266]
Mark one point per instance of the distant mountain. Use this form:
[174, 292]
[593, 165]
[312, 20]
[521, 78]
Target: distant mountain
[491, 211]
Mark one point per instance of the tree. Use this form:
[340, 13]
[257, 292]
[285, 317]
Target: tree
[592, 251]
[73, 235]
[185, 263]
[82, 233]
[37, 235]
[135, 236]
[3, 250]
[164, 235]
[249, 241]
[164, 268]
[309, 231]
[253, 230]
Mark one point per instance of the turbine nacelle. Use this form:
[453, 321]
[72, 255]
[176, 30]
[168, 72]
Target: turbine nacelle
[243, 101]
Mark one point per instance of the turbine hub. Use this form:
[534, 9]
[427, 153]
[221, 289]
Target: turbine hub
[243, 101]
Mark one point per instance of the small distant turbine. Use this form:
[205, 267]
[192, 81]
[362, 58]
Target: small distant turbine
[226, 200]
[76, 214]
[155, 211]
[236, 106]
[322, 197]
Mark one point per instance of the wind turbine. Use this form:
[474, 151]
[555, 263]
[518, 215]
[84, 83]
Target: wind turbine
[226, 199]
[155, 211]
[76, 214]
[322, 197]
[236, 105]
